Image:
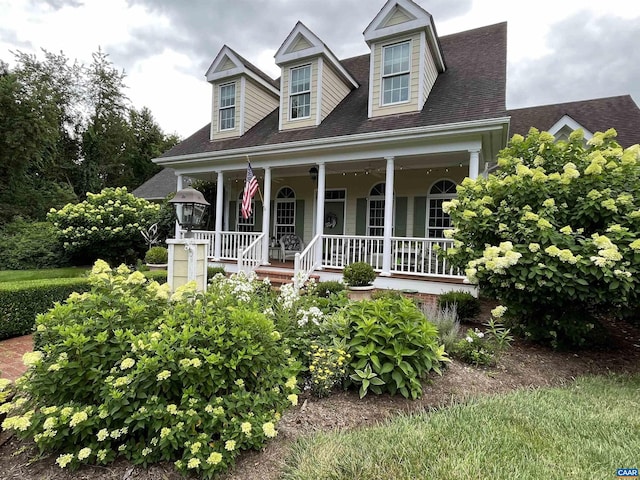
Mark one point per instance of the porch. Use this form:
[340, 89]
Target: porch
[416, 264]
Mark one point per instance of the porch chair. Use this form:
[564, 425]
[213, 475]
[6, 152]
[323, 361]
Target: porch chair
[290, 244]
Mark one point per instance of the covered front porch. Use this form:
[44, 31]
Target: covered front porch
[372, 198]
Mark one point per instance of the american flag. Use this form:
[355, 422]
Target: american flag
[250, 187]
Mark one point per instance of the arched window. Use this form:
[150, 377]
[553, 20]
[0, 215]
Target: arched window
[285, 215]
[437, 220]
[375, 226]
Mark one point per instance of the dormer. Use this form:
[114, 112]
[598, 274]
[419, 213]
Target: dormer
[312, 81]
[242, 95]
[406, 58]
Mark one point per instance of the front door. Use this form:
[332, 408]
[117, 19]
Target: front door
[334, 217]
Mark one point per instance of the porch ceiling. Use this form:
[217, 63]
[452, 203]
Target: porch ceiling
[372, 166]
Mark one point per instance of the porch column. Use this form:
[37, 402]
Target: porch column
[320, 212]
[474, 164]
[266, 213]
[178, 188]
[388, 218]
[217, 244]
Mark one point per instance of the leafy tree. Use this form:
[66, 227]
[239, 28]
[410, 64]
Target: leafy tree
[554, 234]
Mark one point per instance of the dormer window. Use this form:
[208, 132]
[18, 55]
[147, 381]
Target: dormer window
[396, 73]
[300, 98]
[227, 106]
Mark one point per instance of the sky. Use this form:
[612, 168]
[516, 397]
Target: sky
[558, 51]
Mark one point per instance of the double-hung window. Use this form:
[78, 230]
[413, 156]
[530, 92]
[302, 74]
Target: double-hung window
[396, 73]
[300, 88]
[227, 106]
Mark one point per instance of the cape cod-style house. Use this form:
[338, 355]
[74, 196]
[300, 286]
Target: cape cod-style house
[354, 156]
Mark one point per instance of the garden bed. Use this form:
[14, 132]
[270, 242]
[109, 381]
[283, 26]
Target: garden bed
[522, 366]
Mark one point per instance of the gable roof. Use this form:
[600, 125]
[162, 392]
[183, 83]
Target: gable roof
[242, 66]
[160, 185]
[596, 115]
[472, 88]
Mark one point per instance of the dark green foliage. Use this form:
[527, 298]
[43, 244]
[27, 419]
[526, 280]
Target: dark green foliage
[326, 289]
[359, 274]
[391, 341]
[28, 245]
[20, 302]
[156, 255]
[467, 306]
[213, 271]
[67, 129]
[159, 276]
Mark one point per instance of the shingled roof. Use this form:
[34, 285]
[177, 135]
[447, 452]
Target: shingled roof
[596, 115]
[160, 185]
[472, 88]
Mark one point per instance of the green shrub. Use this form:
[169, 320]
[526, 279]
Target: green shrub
[30, 245]
[159, 276]
[358, 274]
[126, 371]
[156, 255]
[467, 306]
[21, 302]
[554, 233]
[213, 271]
[387, 294]
[106, 225]
[391, 341]
[483, 348]
[328, 288]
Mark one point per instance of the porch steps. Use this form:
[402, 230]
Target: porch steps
[279, 276]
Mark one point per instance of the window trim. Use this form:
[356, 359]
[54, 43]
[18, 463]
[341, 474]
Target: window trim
[228, 107]
[397, 74]
[383, 198]
[300, 93]
[280, 200]
[248, 223]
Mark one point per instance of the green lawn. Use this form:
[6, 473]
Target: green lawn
[587, 430]
[20, 275]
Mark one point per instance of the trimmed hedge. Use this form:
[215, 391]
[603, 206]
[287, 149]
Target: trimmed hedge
[20, 302]
[467, 306]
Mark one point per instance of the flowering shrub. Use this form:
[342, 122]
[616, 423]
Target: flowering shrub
[554, 233]
[106, 225]
[127, 371]
[328, 368]
[390, 340]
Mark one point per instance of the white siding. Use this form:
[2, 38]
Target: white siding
[410, 106]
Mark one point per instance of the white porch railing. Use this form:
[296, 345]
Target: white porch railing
[338, 251]
[204, 235]
[306, 261]
[420, 256]
[409, 256]
[250, 258]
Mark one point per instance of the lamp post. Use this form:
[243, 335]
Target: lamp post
[190, 207]
[189, 263]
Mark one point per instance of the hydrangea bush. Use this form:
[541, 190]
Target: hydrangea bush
[127, 371]
[106, 225]
[554, 233]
